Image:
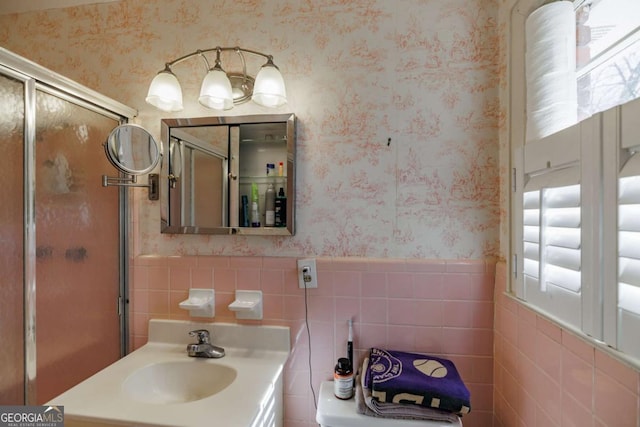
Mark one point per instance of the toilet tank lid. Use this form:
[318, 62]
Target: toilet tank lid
[334, 412]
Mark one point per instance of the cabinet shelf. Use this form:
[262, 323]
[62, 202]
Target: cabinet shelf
[262, 231]
[262, 179]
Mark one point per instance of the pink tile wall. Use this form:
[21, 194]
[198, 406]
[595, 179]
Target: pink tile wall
[439, 307]
[546, 377]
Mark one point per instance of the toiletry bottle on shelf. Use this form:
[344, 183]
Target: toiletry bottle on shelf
[280, 169]
[270, 167]
[343, 379]
[255, 210]
[350, 346]
[269, 206]
[245, 210]
[281, 209]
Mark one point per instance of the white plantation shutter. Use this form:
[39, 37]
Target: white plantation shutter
[551, 239]
[561, 238]
[629, 257]
[531, 236]
[551, 242]
[551, 234]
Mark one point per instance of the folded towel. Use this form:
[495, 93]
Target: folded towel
[419, 379]
[367, 405]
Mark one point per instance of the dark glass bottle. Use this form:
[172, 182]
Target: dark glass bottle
[343, 379]
[280, 209]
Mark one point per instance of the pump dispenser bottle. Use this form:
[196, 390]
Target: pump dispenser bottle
[269, 206]
[255, 210]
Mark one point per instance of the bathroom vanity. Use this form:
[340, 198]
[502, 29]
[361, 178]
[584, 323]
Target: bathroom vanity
[160, 385]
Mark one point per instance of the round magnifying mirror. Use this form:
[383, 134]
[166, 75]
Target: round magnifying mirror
[132, 150]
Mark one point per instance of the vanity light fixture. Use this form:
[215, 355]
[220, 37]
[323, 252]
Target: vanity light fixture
[221, 90]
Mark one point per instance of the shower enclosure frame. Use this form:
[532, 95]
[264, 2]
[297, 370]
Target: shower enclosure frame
[37, 78]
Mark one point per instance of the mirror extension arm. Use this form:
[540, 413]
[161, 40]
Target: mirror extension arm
[131, 181]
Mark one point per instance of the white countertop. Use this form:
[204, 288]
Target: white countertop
[257, 353]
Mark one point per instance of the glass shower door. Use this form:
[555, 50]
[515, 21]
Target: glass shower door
[77, 246]
[62, 235]
[11, 241]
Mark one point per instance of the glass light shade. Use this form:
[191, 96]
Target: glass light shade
[268, 89]
[216, 90]
[165, 92]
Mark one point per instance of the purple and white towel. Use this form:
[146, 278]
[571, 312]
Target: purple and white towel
[367, 405]
[420, 379]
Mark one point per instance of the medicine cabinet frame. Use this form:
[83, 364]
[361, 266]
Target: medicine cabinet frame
[173, 195]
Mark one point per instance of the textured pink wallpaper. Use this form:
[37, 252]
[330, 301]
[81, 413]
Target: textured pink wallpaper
[423, 73]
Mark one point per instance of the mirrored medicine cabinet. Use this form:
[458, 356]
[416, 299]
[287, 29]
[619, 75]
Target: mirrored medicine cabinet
[215, 166]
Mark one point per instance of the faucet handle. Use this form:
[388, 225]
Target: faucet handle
[201, 334]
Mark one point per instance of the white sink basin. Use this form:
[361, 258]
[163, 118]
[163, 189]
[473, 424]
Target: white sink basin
[178, 382]
[159, 385]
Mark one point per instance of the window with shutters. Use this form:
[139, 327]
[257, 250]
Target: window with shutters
[576, 192]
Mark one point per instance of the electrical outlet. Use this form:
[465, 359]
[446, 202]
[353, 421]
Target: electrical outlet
[307, 273]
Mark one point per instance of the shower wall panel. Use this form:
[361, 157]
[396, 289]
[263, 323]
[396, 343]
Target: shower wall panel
[11, 241]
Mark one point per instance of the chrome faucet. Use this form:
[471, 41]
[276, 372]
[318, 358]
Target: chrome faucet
[203, 348]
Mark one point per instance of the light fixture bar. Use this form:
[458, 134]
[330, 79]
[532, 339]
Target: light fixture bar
[221, 89]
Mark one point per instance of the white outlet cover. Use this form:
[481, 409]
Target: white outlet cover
[311, 263]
